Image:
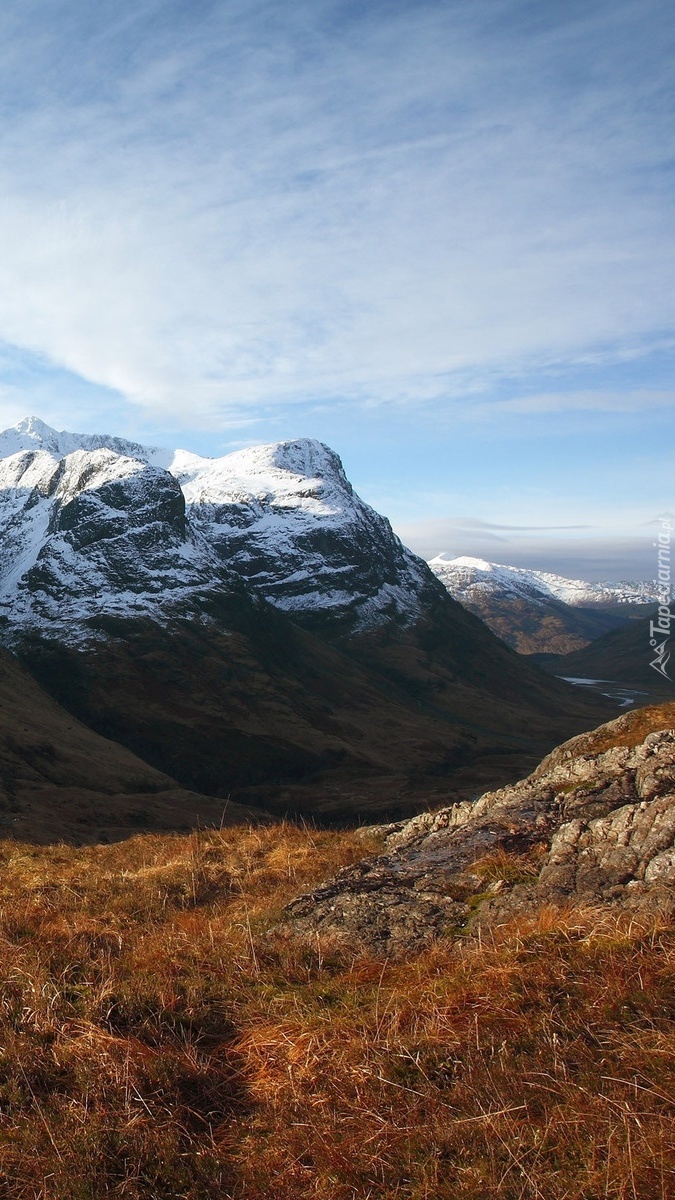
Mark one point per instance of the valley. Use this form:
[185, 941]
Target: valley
[337, 687]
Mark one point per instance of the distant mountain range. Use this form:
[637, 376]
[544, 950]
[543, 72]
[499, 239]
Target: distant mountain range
[537, 611]
[250, 627]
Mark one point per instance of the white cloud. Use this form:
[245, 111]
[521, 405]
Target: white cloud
[635, 400]
[225, 206]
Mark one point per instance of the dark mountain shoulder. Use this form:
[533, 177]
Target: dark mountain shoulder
[241, 701]
[59, 780]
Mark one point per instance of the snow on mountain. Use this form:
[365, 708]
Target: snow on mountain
[93, 525]
[33, 434]
[89, 534]
[286, 519]
[466, 577]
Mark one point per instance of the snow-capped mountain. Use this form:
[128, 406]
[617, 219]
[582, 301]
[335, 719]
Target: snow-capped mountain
[92, 525]
[537, 611]
[93, 532]
[209, 615]
[287, 520]
[464, 577]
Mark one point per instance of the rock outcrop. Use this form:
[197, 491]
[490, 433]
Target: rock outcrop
[594, 823]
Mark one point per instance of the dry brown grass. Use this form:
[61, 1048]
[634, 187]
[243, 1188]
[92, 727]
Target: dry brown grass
[632, 728]
[158, 1041]
[509, 866]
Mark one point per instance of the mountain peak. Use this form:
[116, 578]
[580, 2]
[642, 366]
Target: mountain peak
[537, 611]
[465, 560]
[304, 457]
[30, 433]
[307, 456]
[35, 427]
[117, 525]
[460, 574]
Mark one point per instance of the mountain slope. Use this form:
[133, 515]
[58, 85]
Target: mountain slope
[152, 594]
[287, 520]
[251, 706]
[536, 611]
[91, 522]
[59, 780]
[476, 573]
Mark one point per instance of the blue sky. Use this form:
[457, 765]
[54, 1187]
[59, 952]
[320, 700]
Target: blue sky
[437, 235]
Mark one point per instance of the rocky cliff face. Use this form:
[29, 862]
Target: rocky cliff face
[287, 520]
[95, 524]
[94, 533]
[594, 823]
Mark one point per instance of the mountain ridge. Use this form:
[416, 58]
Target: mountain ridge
[576, 592]
[249, 624]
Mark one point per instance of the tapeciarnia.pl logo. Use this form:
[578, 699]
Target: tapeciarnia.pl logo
[659, 629]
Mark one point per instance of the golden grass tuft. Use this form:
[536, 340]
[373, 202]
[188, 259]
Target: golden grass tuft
[506, 865]
[159, 1039]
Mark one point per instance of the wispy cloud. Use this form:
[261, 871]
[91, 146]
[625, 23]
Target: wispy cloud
[225, 204]
[636, 400]
[471, 525]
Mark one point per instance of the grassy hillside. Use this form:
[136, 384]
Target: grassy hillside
[544, 626]
[160, 1040]
[59, 779]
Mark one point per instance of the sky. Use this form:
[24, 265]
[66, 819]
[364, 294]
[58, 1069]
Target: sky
[436, 234]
